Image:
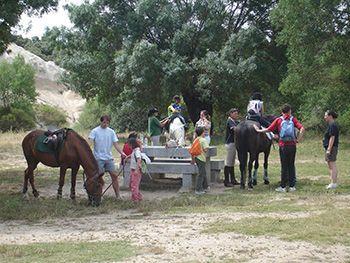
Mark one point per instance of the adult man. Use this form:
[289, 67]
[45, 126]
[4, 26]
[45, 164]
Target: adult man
[104, 138]
[229, 169]
[286, 125]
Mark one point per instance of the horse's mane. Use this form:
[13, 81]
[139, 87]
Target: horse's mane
[85, 146]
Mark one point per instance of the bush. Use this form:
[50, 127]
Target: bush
[90, 117]
[47, 115]
[16, 118]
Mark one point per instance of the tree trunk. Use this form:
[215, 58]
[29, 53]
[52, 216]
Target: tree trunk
[194, 104]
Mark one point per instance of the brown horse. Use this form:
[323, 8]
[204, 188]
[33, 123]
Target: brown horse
[75, 152]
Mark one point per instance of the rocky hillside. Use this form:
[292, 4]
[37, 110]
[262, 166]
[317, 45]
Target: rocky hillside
[46, 81]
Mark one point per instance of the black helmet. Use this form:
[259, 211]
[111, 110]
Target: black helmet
[256, 96]
[152, 111]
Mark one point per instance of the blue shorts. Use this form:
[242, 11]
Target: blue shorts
[106, 166]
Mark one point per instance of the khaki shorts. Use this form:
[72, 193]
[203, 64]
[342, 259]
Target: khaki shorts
[332, 157]
[230, 154]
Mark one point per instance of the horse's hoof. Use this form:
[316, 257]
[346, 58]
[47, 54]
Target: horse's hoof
[242, 187]
[35, 193]
[266, 182]
[72, 197]
[59, 196]
[255, 182]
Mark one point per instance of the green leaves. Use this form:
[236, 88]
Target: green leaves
[10, 12]
[317, 37]
[17, 94]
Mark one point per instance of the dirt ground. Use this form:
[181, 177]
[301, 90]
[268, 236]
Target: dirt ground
[162, 237]
[175, 238]
[172, 237]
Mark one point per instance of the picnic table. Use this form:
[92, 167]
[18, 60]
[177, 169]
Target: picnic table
[177, 160]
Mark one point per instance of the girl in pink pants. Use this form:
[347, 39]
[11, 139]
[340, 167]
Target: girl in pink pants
[135, 170]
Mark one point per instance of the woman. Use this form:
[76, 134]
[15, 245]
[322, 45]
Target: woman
[330, 144]
[204, 122]
[155, 126]
[229, 169]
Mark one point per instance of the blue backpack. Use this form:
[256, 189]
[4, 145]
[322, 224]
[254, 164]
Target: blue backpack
[287, 132]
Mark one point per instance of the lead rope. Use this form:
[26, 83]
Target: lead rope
[120, 171]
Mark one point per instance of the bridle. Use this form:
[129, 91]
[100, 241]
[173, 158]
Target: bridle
[85, 184]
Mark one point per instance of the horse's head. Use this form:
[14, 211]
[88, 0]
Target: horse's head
[93, 186]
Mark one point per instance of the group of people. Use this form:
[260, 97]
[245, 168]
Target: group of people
[175, 109]
[283, 130]
[104, 138]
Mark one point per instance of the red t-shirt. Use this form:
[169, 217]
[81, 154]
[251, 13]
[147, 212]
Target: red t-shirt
[127, 150]
[276, 125]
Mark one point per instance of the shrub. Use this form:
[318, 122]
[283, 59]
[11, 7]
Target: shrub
[47, 115]
[16, 118]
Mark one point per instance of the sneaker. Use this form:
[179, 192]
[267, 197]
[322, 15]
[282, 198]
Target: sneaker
[280, 189]
[331, 186]
[292, 189]
[199, 192]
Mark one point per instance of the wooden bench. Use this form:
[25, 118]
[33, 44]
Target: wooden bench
[178, 161]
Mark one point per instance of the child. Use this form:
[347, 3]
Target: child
[127, 147]
[201, 180]
[135, 169]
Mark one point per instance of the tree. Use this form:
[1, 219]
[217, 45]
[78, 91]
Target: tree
[17, 95]
[317, 36]
[122, 51]
[10, 12]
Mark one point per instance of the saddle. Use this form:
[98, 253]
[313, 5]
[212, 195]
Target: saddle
[52, 142]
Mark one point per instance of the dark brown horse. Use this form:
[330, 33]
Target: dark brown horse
[249, 141]
[75, 152]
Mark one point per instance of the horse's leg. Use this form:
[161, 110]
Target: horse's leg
[29, 173]
[266, 162]
[73, 181]
[252, 157]
[255, 173]
[63, 170]
[242, 156]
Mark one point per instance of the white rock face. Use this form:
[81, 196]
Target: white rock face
[47, 84]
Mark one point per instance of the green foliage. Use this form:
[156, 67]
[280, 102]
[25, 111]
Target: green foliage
[138, 54]
[316, 34]
[10, 13]
[17, 94]
[18, 117]
[16, 82]
[90, 116]
[47, 115]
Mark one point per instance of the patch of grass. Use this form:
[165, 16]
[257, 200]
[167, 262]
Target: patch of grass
[67, 252]
[330, 227]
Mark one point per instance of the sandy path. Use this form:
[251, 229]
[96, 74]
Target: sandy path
[175, 238]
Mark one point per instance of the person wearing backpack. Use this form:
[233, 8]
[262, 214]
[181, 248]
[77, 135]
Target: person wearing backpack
[198, 152]
[285, 125]
[135, 169]
[330, 144]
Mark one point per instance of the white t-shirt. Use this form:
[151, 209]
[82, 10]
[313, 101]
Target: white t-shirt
[256, 106]
[136, 153]
[103, 142]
